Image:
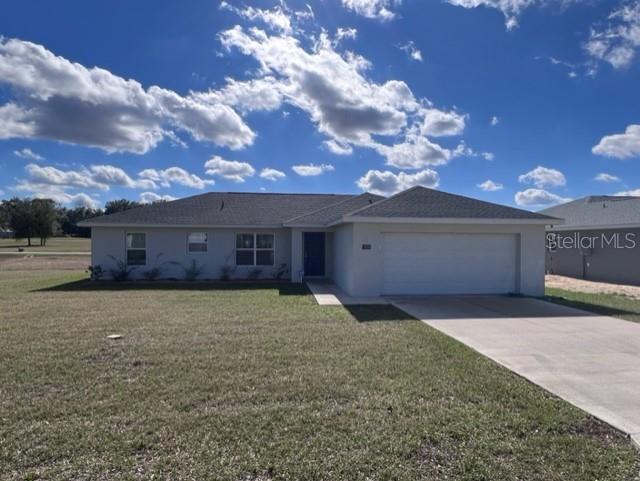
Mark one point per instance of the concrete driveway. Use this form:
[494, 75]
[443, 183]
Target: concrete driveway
[589, 360]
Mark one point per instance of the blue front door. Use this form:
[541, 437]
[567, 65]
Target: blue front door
[314, 253]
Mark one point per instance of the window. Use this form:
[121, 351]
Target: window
[197, 242]
[255, 249]
[136, 249]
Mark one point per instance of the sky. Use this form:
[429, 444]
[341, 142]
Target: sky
[527, 103]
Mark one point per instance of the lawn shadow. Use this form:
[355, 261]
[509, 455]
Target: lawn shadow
[284, 288]
[590, 307]
[378, 313]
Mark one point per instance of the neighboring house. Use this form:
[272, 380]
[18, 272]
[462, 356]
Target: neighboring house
[6, 234]
[599, 240]
[420, 241]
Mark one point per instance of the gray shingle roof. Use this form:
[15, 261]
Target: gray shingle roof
[334, 212]
[421, 202]
[223, 208]
[598, 210]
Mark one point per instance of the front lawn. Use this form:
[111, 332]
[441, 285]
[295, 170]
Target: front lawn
[254, 382]
[54, 244]
[605, 304]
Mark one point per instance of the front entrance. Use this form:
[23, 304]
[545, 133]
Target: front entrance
[314, 250]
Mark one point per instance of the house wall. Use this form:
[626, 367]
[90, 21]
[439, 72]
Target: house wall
[359, 272]
[602, 262]
[171, 245]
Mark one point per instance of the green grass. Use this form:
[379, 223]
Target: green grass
[606, 304]
[251, 382]
[54, 244]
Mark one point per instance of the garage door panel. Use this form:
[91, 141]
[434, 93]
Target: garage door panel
[449, 263]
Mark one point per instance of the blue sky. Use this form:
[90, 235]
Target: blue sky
[522, 102]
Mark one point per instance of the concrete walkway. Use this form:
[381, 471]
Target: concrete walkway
[591, 361]
[328, 294]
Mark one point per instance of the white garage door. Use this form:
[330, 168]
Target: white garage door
[449, 263]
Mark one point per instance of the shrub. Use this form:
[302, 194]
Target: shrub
[95, 272]
[226, 272]
[121, 272]
[156, 271]
[191, 271]
[282, 271]
[254, 273]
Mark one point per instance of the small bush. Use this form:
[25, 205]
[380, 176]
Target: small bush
[226, 272]
[122, 272]
[156, 271]
[254, 273]
[282, 271]
[191, 271]
[95, 272]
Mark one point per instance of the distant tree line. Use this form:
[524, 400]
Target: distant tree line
[42, 218]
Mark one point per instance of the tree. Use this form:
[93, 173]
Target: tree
[43, 215]
[120, 205]
[21, 220]
[69, 218]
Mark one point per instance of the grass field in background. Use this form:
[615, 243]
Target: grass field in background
[605, 304]
[54, 244]
[258, 382]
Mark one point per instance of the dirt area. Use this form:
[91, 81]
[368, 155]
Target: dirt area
[43, 262]
[579, 285]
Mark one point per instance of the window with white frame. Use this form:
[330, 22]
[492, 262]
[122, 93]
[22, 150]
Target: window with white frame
[136, 249]
[197, 243]
[255, 249]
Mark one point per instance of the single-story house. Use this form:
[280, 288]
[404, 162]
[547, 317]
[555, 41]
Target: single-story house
[419, 241]
[599, 239]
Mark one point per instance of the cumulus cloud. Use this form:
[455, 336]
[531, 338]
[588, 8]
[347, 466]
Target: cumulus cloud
[272, 174]
[229, 169]
[412, 51]
[275, 18]
[387, 183]
[543, 177]
[511, 9]
[308, 170]
[607, 178]
[490, 186]
[378, 9]
[27, 154]
[621, 146]
[438, 123]
[112, 175]
[488, 155]
[60, 100]
[538, 198]
[416, 152]
[175, 175]
[338, 148]
[52, 176]
[256, 94]
[333, 89]
[151, 197]
[617, 42]
[494, 120]
[57, 194]
[630, 193]
[345, 33]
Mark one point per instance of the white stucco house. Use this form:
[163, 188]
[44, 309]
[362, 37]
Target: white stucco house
[419, 241]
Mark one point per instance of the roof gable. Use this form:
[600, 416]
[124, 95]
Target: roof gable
[334, 212]
[421, 202]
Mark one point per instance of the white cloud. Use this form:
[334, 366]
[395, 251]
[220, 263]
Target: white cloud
[488, 155]
[272, 174]
[275, 18]
[495, 120]
[543, 177]
[621, 146]
[416, 152]
[229, 169]
[630, 193]
[112, 175]
[345, 33]
[412, 51]
[607, 178]
[64, 101]
[175, 175]
[438, 123]
[312, 169]
[387, 183]
[538, 198]
[338, 148]
[378, 9]
[619, 41]
[151, 197]
[27, 154]
[490, 186]
[257, 94]
[57, 193]
[511, 9]
[52, 176]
